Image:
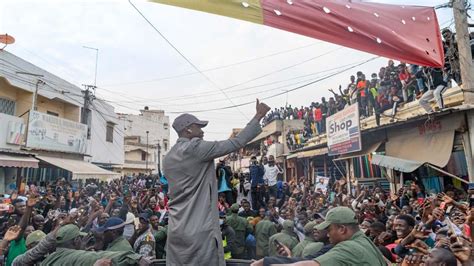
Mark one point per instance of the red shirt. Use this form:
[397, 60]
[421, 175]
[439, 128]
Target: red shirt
[300, 114]
[361, 86]
[404, 76]
[318, 115]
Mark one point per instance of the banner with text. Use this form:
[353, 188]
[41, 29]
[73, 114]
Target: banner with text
[47, 132]
[343, 131]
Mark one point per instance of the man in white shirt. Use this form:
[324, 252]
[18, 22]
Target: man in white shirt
[270, 176]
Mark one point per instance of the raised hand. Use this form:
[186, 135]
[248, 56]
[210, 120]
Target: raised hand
[32, 201]
[461, 249]
[419, 232]
[12, 233]
[420, 246]
[262, 109]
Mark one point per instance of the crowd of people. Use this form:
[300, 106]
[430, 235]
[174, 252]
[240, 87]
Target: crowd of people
[328, 223]
[93, 223]
[261, 218]
[388, 89]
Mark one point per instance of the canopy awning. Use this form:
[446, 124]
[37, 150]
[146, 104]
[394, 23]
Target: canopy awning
[80, 169]
[8, 160]
[312, 153]
[430, 142]
[365, 150]
[402, 165]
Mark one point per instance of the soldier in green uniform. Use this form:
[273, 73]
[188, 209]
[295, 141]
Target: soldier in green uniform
[113, 238]
[160, 234]
[68, 242]
[287, 237]
[241, 228]
[308, 238]
[351, 246]
[263, 231]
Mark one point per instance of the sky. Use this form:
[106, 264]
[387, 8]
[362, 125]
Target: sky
[137, 67]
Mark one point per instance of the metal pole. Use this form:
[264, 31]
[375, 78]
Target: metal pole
[465, 56]
[96, 60]
[159, 157]
[146, 156]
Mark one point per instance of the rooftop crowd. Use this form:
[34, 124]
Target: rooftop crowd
[388, 89]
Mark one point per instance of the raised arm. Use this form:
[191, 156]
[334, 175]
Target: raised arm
[208, 150]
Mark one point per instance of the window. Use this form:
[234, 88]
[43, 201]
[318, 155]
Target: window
[7, 106]
[166, 145]
[166, 126]
[143, 156]
[109, 135]
[52, 113]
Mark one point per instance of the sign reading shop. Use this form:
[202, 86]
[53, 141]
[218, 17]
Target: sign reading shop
[47, 132]
[343, 131]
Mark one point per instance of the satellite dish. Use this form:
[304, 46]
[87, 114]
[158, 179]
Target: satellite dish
[6, 39]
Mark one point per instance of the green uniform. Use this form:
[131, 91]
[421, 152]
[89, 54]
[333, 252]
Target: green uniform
[67, 257]
[120, 244]
[160, 239]
[241, 228]
[298, 250]
[263, 231]
[287, 237]
[308, 230]
[311, 249]
[359, 250]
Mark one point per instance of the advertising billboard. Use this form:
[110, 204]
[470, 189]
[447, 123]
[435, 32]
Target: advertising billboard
[343, 131]
[48, 132]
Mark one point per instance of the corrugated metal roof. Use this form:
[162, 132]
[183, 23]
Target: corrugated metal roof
[55, 86]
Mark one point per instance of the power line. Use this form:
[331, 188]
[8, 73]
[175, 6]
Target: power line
[208, 69]
[194, 96]
[183, 56]
[281, 93]
[211, 92]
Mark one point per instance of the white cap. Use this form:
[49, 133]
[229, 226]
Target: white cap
[130, 218]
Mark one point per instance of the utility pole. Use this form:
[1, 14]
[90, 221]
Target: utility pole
[35, 95]
[38, 83]
[159, 157]
[464, 48]
[96, 60]
[89, 96]
[465, 62]
[146, 156]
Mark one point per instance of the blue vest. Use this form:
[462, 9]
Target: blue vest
[223, 187]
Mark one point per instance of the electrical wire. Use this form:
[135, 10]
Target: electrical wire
[281, 93]
[194, 96]
[184, 57]
[207, 69]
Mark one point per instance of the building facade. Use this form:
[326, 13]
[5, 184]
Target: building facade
[40, 123]
[146, 133]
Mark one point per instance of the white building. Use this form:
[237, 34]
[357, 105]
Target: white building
[107, 136]
[41, 117]
[156, 123]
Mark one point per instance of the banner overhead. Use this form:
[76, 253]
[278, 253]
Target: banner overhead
[409, 34]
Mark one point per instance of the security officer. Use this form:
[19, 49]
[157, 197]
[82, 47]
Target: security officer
[241, 228]
[263, 231]
[286, 237]
[308, 238]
